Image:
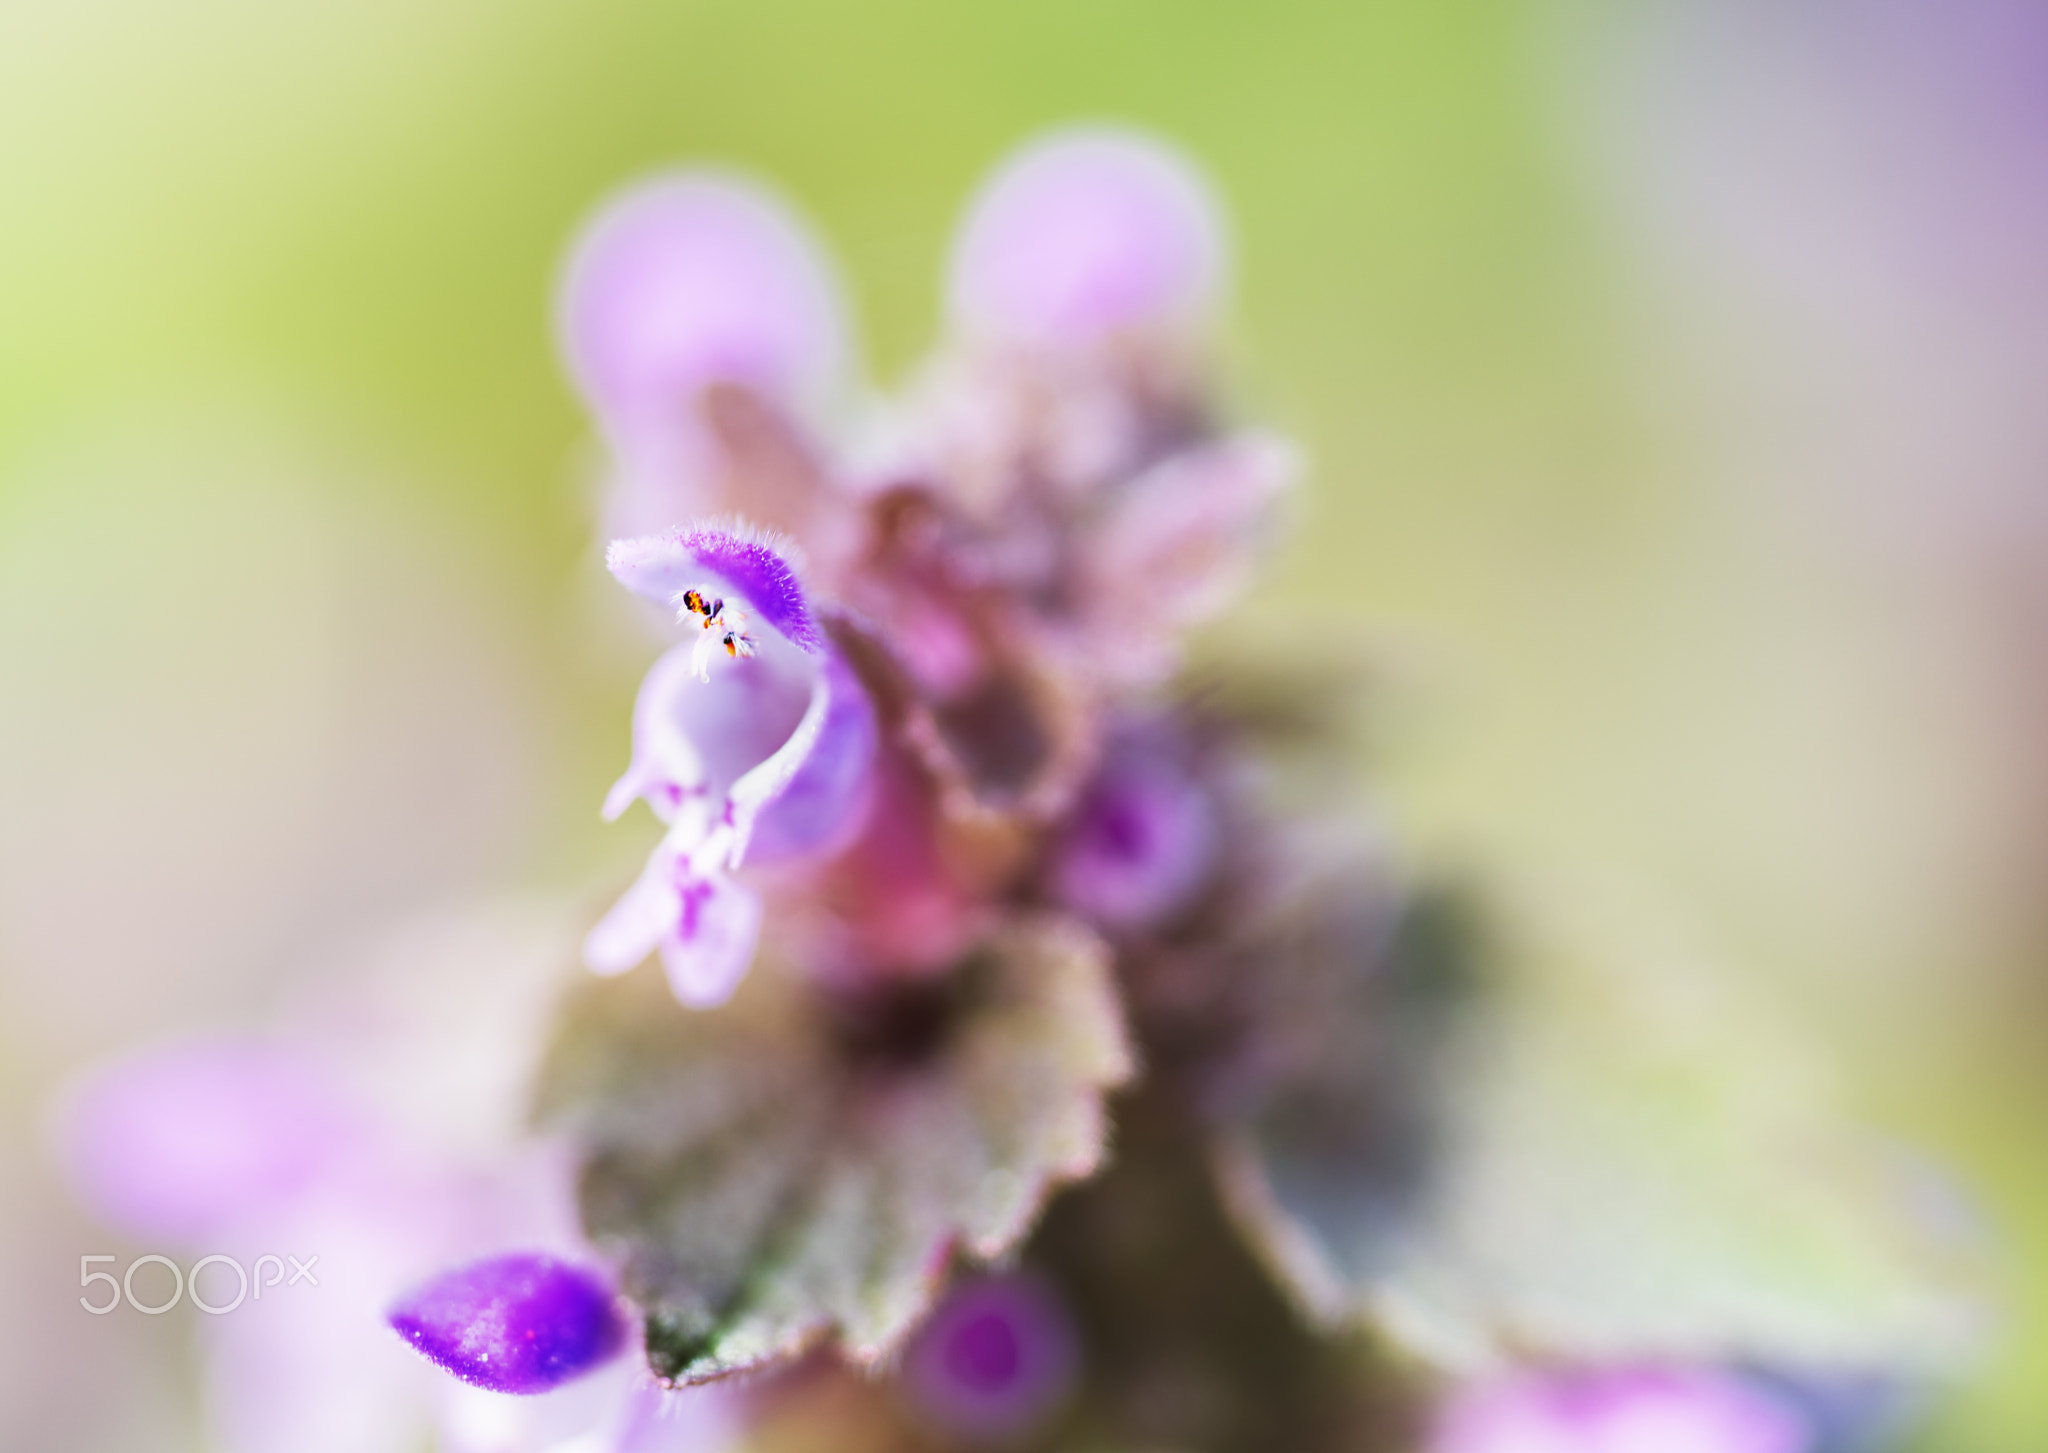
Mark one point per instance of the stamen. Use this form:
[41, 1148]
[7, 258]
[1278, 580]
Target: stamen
[695, 602]
[732, 625]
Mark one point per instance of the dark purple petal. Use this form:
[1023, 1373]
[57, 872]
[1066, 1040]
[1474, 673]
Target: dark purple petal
[725, 561]
[523, 1323]
[995, 1361]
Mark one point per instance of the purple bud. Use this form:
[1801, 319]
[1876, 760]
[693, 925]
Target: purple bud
[692, 279]
[1621, 1410]
[995, 1361]
[522, 1323]
[1141, 845]
[1084, 234]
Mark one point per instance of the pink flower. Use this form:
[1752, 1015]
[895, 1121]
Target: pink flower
[1019, 547]
[689, 280]
[1143, 840]
[1086, 234]
[771, 758]
[246, 1147]
[1624, 1410]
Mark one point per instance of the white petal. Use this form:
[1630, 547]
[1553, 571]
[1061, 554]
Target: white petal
[712, 940]
[626, 935]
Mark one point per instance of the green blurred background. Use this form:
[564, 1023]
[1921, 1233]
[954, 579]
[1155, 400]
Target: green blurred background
[275, 367]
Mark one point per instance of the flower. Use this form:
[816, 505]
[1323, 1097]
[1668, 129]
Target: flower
[186, 1139]
[1018, 547]
[680, 284]
[996, 1360]
[1085, 234]
[1142, 841]
[772, 758]
[1621, 1410]
[363, 1134]
[519, 1323]
[245, 1146]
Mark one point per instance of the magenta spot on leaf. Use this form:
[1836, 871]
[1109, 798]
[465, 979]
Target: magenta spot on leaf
[521, 1323]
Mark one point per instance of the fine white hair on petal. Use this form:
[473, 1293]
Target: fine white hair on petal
[747, 532]
[1086, 233]
[749, 563]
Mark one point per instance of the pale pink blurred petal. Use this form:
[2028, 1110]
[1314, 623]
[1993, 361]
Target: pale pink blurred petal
[1084, 234]
[628, 932]
[1630, 1410]
[178, 1143]
[1178, 545]
[686, 280]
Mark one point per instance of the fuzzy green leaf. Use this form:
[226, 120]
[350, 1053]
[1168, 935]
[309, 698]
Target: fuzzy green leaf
[781, 1170]
[1586, 1152]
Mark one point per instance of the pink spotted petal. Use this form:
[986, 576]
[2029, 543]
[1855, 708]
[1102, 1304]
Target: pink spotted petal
[703, 924]
[1084, 234]
[710, 946]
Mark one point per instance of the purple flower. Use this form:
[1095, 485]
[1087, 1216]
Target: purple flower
[1026, 541]
[521, 1324]
[1626, 1410]
[994, 1362]
[187, 1140]
[771, 759]
[1141, 843]
[689, 280]
[1086, 234]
